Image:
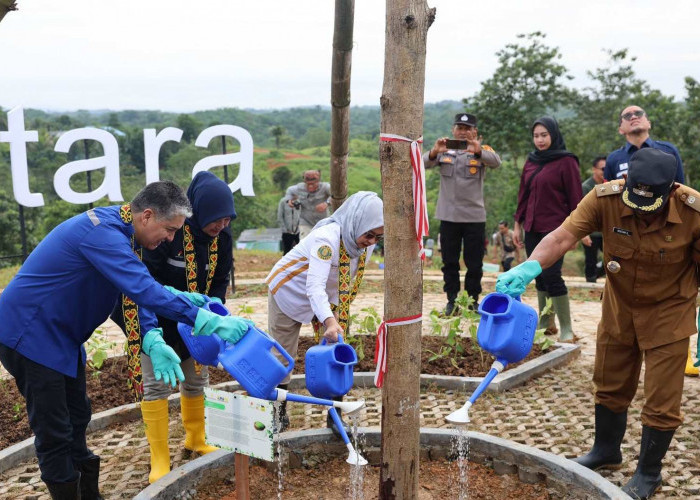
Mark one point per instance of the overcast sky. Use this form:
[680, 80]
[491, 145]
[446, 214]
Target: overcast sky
[184, 56]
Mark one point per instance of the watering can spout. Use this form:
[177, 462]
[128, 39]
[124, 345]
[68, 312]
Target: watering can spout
[461, 416]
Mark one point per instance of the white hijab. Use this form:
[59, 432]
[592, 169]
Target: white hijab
[360, 213]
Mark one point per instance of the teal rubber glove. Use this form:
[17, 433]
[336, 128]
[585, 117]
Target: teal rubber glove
[229, 328]
[166, 363]
[515, 281]
[196, 298]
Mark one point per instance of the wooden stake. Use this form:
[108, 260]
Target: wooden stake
[340, 99]
[242, 479]
[407, 23]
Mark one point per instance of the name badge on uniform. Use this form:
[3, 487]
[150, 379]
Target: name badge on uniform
[624, 232]
[446, 159]
[622, 169]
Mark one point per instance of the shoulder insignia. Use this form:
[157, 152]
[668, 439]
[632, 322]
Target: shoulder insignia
[689, 196]
[325, 252]
[608, 188]
[487, 148]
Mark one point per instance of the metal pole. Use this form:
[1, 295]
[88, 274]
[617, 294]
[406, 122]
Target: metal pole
[233, 259]
[23, 233]
[89, 177]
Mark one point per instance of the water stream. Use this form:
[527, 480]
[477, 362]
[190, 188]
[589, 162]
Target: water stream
[357, 472]
[280, 452]
[460, 449]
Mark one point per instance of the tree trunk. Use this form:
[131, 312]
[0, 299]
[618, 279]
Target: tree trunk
[407, 23]
[340, 99]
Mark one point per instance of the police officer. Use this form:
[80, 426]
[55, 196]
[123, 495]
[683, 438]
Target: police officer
[651, 229]
[460, 205]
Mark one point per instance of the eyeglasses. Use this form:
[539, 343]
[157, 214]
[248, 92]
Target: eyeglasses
[371, 235]
[311, 179]
[628, 116]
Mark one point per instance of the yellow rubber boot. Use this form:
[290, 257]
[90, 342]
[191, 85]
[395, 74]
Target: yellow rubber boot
[155, 416]
[192, 410]
[690, 370]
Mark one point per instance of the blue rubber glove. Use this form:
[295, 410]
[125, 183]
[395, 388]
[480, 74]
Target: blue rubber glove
[166, 363]
[515, 281]
[229, 328]
[196, 298]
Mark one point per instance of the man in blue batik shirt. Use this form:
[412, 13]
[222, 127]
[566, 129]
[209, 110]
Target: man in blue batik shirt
[635, 126]
[65, 289]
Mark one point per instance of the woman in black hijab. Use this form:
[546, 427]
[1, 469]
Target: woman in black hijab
[550, 188]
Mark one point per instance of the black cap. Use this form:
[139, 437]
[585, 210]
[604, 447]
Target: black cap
[465, 119]
[649, 180]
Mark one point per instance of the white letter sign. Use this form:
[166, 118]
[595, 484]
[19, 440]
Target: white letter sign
[244, 180]
[18, 139]
[110, 162]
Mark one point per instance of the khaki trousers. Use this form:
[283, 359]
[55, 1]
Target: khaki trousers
[284, 330]
[616, 376]
[193, 385]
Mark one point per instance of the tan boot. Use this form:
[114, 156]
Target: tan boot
[690, 370]
[155, 416]
[192, 410]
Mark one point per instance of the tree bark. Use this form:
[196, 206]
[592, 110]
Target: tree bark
[340, 99]
[407, 23]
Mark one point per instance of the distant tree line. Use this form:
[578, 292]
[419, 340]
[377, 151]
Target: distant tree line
[530, 81]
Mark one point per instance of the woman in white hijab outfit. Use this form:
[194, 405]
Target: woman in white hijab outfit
[305, 285]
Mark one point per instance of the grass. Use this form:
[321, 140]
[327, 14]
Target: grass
[7, 273]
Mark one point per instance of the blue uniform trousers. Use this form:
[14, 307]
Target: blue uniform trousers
[59, 412]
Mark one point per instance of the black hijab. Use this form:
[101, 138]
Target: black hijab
[556, 150]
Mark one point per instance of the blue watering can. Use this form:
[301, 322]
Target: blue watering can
[252, 363]
[506, 330]
[329, 368]
[204, 349]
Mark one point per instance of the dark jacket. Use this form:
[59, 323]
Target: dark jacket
[211, 199]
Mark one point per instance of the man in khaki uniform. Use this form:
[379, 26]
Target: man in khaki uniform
[651, 229]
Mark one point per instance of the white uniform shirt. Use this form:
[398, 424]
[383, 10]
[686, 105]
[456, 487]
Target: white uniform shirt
[305, 281]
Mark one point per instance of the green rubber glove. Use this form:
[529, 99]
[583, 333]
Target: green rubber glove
[196, 298]
[229, 328]
[515, 281]
[166, 363]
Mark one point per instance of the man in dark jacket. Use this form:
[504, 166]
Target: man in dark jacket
[199, 260]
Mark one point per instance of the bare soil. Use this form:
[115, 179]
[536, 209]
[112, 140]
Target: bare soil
[107, 388]
[438, 480]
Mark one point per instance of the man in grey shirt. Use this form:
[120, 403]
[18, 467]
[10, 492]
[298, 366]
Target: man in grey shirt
[313, 197]
[460, 205]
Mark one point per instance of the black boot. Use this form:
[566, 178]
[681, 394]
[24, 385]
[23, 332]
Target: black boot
[609, 430]
[647, 477]
[331, 424]
[89, 479]
[451, 308]
[282, 416]
[65, 491]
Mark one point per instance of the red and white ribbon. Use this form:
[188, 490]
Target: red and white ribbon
[420, 205]
[380, 347]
